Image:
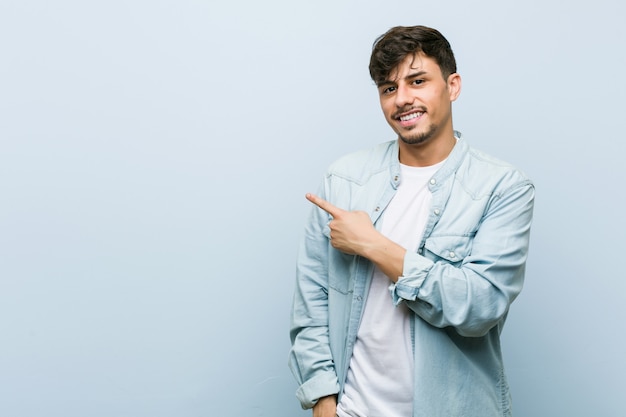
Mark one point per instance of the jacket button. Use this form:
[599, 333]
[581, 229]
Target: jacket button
[437, 212]
[433, 181]
[452, 255]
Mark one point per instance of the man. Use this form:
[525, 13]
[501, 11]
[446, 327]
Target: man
[412, 257]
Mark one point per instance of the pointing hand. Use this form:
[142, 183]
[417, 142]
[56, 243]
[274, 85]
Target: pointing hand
[351, 232]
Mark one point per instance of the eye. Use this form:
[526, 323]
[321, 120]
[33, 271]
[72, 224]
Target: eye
[418, 81]
[388, 90]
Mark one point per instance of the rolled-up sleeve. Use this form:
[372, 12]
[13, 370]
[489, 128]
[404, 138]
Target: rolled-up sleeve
[474, 293]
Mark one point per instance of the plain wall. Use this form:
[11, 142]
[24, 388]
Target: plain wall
[154, 157]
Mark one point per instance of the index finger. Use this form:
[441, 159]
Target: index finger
[324, 205]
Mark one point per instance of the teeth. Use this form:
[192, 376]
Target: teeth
[410, 116]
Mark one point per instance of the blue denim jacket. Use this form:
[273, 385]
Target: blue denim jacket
[460, 283]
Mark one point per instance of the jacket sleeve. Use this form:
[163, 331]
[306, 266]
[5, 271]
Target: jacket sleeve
[474, 295]
[310, 357]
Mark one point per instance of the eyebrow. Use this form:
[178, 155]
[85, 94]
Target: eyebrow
[408, 77]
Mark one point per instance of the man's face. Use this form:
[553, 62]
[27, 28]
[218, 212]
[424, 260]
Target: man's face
[417, 101]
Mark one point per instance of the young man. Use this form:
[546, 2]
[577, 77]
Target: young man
[412, 257]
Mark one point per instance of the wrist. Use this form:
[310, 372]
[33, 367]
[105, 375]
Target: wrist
[387, 255]
[325, 407]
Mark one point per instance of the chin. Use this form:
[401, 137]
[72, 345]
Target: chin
[418, 138]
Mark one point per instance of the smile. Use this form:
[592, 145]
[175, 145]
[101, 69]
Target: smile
[411, 116]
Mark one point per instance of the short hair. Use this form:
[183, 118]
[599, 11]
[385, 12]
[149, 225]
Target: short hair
[393, 46]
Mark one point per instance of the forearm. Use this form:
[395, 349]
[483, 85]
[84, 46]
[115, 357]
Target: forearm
[387, 255]
[470, 300]
[310, 358]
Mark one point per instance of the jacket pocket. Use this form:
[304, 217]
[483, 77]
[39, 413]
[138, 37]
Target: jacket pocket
[341, 271]
[451, 249]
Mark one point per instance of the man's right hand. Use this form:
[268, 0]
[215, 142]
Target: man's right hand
[326, 407]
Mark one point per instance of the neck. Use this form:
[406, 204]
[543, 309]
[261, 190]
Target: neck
[427, 153]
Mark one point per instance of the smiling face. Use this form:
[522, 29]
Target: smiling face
[417, 102]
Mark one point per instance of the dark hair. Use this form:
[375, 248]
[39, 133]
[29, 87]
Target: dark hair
[392, 47]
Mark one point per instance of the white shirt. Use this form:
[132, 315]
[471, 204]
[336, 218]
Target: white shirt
[380, 378]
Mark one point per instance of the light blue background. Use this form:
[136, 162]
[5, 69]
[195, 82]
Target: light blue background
[153, 161]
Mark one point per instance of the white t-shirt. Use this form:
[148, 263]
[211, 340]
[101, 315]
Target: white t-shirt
[380, 378]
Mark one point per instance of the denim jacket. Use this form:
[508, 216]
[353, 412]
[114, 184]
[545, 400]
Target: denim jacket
[459, 284]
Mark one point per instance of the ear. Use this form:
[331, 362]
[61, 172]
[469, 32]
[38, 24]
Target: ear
[454, 86]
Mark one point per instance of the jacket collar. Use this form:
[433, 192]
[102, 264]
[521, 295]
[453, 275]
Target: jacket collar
[451, 165]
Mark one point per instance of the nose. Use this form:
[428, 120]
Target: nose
[403, 96]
